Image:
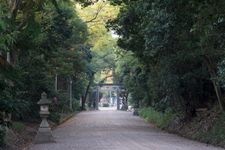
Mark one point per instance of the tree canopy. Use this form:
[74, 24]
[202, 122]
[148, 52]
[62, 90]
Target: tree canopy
[178, 46]
[168, 54]
[42, 39]
[103, 44]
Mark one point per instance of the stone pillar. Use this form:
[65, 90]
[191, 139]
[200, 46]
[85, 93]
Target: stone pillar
[110, 97]
[71, 95]
[56, 82]
[118, 99]
[8, 57]
[97, 99]
[44, 134]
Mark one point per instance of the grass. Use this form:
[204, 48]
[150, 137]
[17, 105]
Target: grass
[160, 119]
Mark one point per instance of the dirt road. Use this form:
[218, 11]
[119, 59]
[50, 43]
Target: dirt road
[115, 130]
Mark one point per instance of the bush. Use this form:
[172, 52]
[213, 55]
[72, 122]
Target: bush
[54, 117]
[64, 102]
[76, 105]
[18, 126]
[216, 134]
[160, 119]
[2, 135]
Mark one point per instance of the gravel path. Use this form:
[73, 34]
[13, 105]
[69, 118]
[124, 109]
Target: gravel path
[115, 130]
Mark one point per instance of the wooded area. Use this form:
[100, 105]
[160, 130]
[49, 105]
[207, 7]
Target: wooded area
[169, 55]
[175, 51]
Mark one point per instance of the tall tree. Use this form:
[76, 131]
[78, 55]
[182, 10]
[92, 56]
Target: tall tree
[179, 44]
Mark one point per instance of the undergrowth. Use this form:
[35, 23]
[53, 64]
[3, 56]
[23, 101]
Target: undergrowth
[215, 135]
[161, 120]
[2, 135]
[18, 126]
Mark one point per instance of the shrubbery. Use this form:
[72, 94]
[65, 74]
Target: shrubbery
[162, 120]
[76, 105]
[55, 117]
[18, 126]
[216, 134]
[2, 135]
[62, 107]
[55, 43]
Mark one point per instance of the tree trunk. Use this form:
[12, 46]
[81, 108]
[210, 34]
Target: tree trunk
[83, 103]
[84, 97]
[212, 72]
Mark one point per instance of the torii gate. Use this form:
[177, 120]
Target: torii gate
[107, 86]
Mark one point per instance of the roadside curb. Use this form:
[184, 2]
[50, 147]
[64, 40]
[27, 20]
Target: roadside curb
[64, 119]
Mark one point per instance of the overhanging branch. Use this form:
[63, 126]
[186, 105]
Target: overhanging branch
[97, 13]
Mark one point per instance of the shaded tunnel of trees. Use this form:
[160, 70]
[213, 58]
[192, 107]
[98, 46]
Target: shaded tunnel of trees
[167, 54]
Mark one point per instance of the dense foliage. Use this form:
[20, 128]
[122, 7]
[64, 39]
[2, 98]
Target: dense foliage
[177, 47]
[2, 135]
[102, 43]
[43, 38]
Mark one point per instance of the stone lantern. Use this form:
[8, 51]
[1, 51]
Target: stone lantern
[44, 134]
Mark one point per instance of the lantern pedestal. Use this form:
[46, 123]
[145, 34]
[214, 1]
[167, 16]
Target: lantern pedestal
[44, 135]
